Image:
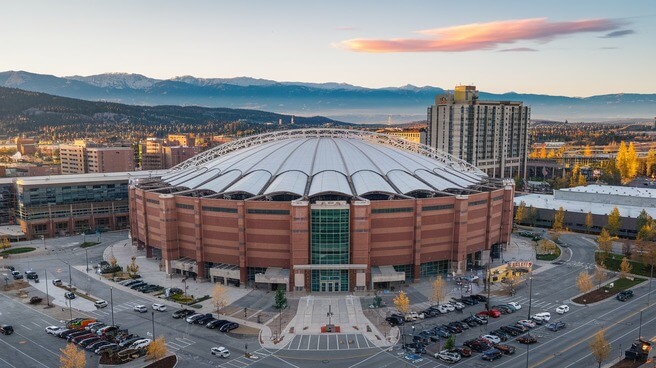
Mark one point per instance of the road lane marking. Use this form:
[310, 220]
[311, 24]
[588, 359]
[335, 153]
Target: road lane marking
[2, 341]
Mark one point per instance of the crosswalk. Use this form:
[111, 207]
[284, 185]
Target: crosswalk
[586, 265]
[537, 304]
[243, 361]
[120, 307]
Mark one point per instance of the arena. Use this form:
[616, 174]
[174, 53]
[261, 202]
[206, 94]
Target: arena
[321, 210]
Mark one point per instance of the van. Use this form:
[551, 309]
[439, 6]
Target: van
[57, 282]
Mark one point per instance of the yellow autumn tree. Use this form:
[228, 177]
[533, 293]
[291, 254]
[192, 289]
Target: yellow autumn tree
[614, 222]
[559, 220]
[625, 268]
[157, 349]
[584, 282]
[439, 289]
[219, 299]
[589, 222]
[402, 303]
[600, 347]
[72, 357]
[587, 151]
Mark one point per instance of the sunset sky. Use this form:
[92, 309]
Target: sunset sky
[573, 48]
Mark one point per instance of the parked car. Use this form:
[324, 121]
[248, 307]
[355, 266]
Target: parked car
[542, 316]
[106, 348]
[480, 298]
[517, 306]
[492, 313]
[447, 356]
[442, 332]
[395, 321]
[220, 351]
[562, 309]
[511, 330]
[502, 335]
[526, 323]
[17, 275]
[86, 342]
[491, 354]
[31, 275]
[527, 339]
[204, 319]
[505, 348]
[54, 330]
[57, 282]
[624, 295]
[182, 313]
[69, 295]
[6, 330]
[140, 344]
[100, 303]
[556, 326]
[140, 308]
[464, 351]
[492, 338]
[414, 358]
[36, 300]
[128, 342]
[504, 309]
[159, 307]
[227, 327]
[194, 317]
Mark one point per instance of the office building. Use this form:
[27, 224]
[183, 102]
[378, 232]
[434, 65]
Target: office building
[88, 157]
[321, 210]
[491, 135]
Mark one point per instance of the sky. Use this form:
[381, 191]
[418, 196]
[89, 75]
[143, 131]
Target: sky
[570, 48]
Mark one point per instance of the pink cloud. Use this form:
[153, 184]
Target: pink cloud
[482, 36]
[514, 49]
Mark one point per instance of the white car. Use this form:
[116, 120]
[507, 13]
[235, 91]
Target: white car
[492, 338]
[562, 309]
[526, 323]
[449, 307]
[140, 344]
[442, 309]
[220, 351]
[140, 308]
[100, 303]
[55, 330]
[542, 316]
[447, 356]
[159, 307]
[517, 306]
[457, 305]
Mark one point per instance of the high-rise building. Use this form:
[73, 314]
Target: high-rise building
[492, 135]
[86, 157]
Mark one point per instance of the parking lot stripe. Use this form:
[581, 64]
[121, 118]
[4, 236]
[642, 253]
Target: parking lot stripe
[8, 364]
[27, 327]
[2, 341]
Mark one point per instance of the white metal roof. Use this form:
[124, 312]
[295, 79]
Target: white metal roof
[330, 161]
[87, 178]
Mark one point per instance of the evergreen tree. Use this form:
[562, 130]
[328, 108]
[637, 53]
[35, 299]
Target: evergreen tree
[643, 219]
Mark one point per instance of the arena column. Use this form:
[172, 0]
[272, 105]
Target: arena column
[168, 229]
[300, 243]
[200, 255]
[460, 215]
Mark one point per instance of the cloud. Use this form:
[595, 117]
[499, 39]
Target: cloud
[347, 28]
[518, 49]
[609, 48]
[619, 33]
[482, 36]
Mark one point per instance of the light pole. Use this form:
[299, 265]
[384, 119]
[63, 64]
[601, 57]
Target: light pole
[43, 237]
[111, 302]
[70, 308]
[47, 294]
[651, 276]
[86, 254]
[530, 300]
[152, 315]
[640, 328]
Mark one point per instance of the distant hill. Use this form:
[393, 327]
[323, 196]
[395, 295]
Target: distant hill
[338, 101]
[24, 111]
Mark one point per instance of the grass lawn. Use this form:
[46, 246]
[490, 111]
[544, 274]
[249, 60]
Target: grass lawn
[17, 250]
[604, 292]
[88, 244]
[548, 257]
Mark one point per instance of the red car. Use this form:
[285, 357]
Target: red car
[494, 313]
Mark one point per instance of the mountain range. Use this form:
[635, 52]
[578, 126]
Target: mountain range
[338, 101]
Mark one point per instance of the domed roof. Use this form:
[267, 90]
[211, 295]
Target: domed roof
[311, 162]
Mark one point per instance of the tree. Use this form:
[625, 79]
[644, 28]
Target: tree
[559, 220]
[643, 219]
[219, 297]
[532, 215]
[631, 161]
[112, 260]
[133, 268]
[589, 222]
[587, 151]
[600, 347]
[402, 303]
[157, 349]
[600, 274]
[72, 357]
[583, 282]
[511, 281]
[4, 244]
[650, 163]
[625, 268]
[581, 181]
[614, 222]
[280, 300]
[520, 213]
[450, 343]
[439, 290]
[605, 242]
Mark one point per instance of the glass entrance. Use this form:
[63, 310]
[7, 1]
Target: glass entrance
[329, 245]
[328, 281]
[329, 286]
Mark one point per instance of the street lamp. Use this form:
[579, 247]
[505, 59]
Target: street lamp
[152, 314]
[43, 237]
[651, 276]
[47, 294]
[530, 300]
[111, 302]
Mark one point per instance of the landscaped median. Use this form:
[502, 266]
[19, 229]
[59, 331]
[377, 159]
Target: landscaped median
[18, 250]
[608, 291]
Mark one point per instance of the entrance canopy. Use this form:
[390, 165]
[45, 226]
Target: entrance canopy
[224, 270]
[185, 264]
[331, 267]
[273, 275]
[386, 274]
